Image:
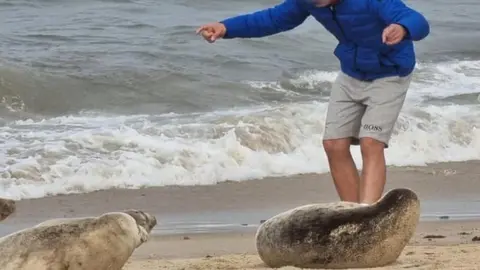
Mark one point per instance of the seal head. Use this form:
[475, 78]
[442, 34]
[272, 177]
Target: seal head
[7, 207]
[143, 219]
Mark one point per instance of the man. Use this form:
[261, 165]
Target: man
[376, 54]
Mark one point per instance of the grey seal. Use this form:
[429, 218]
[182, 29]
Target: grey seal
[103, 242]
[340, 235]
[7, 207]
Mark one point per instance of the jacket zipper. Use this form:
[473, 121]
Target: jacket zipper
[334, 16]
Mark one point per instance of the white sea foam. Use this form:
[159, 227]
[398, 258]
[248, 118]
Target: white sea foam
[91, 152]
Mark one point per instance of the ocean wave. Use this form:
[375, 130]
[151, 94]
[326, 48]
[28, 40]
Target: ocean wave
[91, 150]
[82, 154]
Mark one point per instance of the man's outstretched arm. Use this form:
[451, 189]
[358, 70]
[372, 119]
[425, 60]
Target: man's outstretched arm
[283, 17]
[396, 12]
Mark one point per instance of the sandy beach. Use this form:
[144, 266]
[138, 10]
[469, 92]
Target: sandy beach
[107, 105]
[212, 227]
[436, 245]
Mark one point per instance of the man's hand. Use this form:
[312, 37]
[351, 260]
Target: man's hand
[323, 3]
[212, 31]
[393, 34]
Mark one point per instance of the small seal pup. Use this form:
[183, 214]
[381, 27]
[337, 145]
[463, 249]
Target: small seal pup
[340, 235]
[105, 242]
[7, 207]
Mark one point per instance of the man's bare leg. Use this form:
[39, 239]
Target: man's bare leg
[373, 179]
[342, 167]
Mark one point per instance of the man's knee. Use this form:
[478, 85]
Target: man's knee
[336, 146]
[369, 146]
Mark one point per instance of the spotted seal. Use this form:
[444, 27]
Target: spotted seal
[7, 207]
[103, 242]
[340, 235]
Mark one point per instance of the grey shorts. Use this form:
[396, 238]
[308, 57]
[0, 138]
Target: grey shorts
[359, 109]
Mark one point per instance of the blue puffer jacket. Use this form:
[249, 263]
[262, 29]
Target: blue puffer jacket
[357, 25]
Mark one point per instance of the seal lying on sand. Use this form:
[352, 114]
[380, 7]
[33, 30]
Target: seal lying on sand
[103, 242]
[340, 235]
[7, 207]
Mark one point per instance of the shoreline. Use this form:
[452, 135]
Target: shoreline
[213, 227]
[445, 189]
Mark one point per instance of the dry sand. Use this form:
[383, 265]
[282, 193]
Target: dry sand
[237, 251]
[446, 182]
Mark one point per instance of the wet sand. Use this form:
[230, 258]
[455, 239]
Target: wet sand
[220, 221]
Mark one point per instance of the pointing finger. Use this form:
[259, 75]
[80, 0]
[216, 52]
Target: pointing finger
[201, 29]
[206, 34]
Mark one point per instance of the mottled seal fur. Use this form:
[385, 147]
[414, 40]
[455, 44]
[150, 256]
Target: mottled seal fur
[340, 235]
[105, 242]
[7, 207]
